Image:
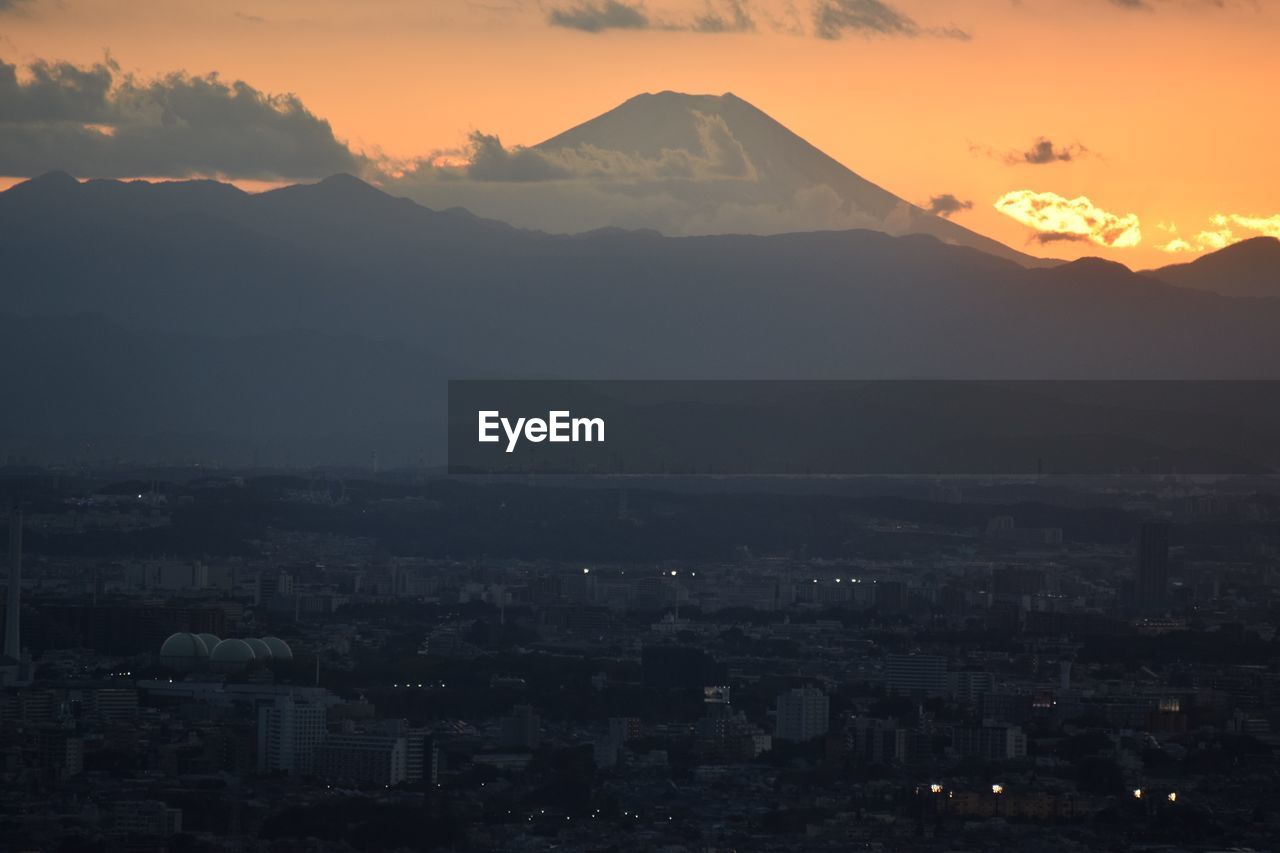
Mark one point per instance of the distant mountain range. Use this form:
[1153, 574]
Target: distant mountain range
[1248, 268]
[317, 322]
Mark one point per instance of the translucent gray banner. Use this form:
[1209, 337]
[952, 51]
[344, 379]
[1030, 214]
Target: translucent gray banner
[870, 428]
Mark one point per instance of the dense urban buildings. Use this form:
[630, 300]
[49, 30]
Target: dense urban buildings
[249, 663]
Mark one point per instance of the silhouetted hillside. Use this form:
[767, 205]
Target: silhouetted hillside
[317, 309]
[1248, 268]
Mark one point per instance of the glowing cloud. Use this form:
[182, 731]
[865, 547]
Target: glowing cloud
[1075, 218]
[1219, 239]
[1222, 235]
[1268, 226]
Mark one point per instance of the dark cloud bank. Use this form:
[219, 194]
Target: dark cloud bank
[101, 122]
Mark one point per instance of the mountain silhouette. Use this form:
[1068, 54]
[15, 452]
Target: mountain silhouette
[775, 163]
[340, 294]
[1248, 268]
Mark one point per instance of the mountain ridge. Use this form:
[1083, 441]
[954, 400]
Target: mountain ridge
[1249, 268]
[355, 305]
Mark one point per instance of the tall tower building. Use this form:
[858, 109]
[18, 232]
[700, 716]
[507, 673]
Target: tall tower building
[13, 601]
[1151, 581]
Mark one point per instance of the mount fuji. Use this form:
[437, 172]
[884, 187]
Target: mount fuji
[682, 165]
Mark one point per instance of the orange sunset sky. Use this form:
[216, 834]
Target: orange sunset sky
[1162, 112]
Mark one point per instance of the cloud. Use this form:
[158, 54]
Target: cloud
[1150, 5]
[1044, 238]
[1268, 226]
[1042, 151]
[830, 19]
[833, 18]
[1222, 234]
[1068, 219]
[597, 16]
[95, 121]
[947, 205]
[1177, 244]
[594, 16]
[56, 92]
[489, 161]
[717, 156]
[734, 18]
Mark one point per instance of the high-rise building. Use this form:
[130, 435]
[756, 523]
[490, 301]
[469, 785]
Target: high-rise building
[290, 728]
[363, 758]
[422, 758]
[804, 713]
[115, 703]
[61, 751]
[1151, 581]
[13, 601]
[916, 675]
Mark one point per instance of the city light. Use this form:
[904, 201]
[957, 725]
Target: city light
[935, 788]
[997, 789]
[1137, 793]
[1173, 796]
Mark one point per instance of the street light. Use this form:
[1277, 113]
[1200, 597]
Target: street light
[997, 789]
[1173, 796]
[1137, 793]
[935, 788]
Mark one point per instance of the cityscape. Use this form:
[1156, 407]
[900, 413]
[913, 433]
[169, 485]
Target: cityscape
[276, 662]
[639, 426]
